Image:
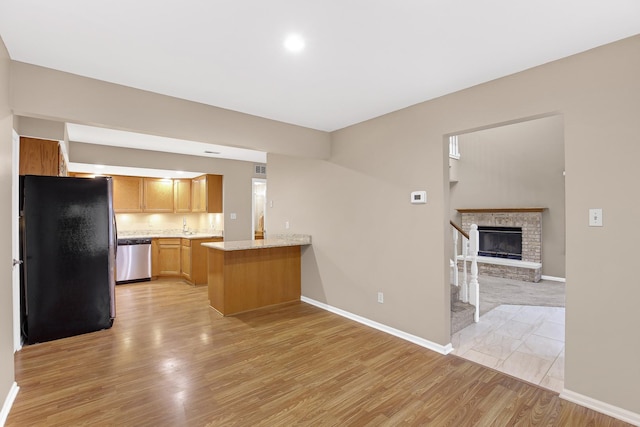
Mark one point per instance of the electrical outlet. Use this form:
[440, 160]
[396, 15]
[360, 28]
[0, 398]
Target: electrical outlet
[380, 297]
[286, 225]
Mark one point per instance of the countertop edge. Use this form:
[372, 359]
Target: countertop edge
[271, 242]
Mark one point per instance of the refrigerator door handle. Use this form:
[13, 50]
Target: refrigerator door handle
[115, 235]
[17, 262]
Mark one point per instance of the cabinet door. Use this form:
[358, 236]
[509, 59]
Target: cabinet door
[207, 194]
[39, 157]
[199, 194]
[182, 195]
[127, 194]
[186, 258]
[168, 257]
[158, 195]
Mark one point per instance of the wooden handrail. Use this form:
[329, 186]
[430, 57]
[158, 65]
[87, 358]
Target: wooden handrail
[457, 227]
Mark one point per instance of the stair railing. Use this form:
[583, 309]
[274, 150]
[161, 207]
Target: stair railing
[464, 286]
[474, 286]
[469, 286]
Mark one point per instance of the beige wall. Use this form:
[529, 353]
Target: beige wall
[368, 238]
[48, 94]
[236, 182]
[6, 292]
[519, 165]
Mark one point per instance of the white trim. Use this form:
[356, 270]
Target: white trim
[8, 403]
[15, 240]
[597, 405]
[507, 262]
[442, 349]
[554, 279]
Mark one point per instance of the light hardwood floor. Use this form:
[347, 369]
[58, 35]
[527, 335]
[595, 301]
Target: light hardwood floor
[171, 360]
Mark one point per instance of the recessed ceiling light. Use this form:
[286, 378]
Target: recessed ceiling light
[294, 43]
[99, 166]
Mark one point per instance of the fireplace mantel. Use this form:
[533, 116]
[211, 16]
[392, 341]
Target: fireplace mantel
[501, 210]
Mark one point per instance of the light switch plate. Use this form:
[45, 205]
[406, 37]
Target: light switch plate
[595, 217]
[233, 216]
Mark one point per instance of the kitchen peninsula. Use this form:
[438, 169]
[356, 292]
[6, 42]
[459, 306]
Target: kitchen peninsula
[246, 275]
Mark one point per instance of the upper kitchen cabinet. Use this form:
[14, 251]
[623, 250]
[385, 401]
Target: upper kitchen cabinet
[206, 193]
[127, 194]
[182, 195]
[158, 195]
[41, 157]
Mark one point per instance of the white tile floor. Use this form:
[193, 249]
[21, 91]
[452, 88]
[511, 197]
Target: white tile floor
[524, 341]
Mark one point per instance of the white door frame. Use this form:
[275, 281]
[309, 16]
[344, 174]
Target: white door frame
[15, 239]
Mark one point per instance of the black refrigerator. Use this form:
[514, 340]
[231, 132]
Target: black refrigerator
[68, 243]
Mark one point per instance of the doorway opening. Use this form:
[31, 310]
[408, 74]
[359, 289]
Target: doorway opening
[506, 168]
[259, 208]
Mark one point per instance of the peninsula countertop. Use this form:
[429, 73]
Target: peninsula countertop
[275, 241]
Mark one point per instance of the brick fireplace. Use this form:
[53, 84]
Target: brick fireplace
[529, 268]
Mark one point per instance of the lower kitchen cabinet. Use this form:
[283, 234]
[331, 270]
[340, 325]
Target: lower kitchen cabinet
[194, 260]
[169, 257]
[185, 258]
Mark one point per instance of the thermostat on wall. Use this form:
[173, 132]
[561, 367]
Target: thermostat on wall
[418, 197]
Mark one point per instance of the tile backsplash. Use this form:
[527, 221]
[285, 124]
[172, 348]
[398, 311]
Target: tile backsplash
[197, 222]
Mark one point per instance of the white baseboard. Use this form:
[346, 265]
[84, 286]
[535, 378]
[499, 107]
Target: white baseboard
[8, 403]
[605, 408]
[442, 349]
[553, 278]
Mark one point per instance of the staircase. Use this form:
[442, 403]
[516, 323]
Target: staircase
[461, 312]
[464, 291]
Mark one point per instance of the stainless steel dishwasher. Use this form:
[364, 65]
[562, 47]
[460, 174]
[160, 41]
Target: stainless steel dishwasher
[133, 261]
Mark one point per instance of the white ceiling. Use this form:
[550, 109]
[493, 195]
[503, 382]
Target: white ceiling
[363, 58]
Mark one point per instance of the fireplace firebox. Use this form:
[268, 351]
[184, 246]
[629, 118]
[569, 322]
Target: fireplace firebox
[500, 242]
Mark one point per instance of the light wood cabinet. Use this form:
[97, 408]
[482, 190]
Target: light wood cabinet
[185, 256]
[176, 257]
[155, 265]
[134, 194]
[182, 195]
[41, 157]
[168, 257]
[198, 202]
[206, 193]
[157, 195]
[127, 194]
[194, 267]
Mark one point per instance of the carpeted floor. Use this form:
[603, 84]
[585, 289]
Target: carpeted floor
[495, 291]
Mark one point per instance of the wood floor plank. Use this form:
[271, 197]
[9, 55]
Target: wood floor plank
[171, 360]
